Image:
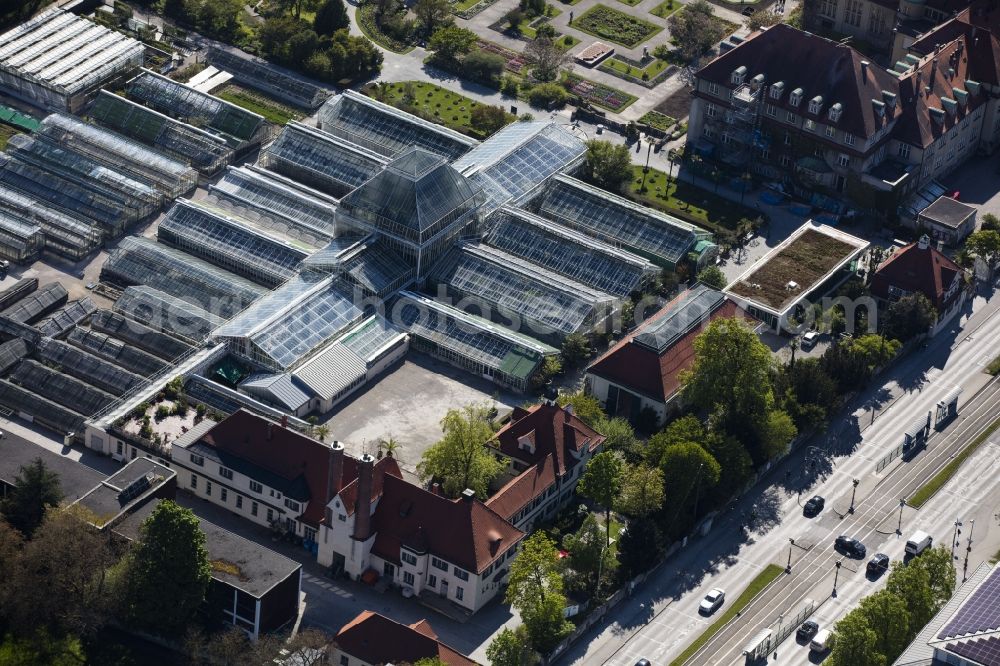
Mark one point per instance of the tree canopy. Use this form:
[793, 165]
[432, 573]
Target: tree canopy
[601, 482]
[512, 647]
[910, 316]
[536, 591]
[607, 165]
[985, 244]
[642, 491]
[590, 559]
[546, 57]
[713, 277]
[695, 30]
[168, 570]
[431, 14]
[450, 42]
[331, 17]
[585, 407]
[461, 459]
[36, 488]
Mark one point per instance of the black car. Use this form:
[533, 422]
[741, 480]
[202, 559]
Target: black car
[806, 631]
[878, 564]
[813, 506]
[852, 547]
[748, 11]
[642, 662]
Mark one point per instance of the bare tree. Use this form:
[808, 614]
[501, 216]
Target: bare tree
[546, 58]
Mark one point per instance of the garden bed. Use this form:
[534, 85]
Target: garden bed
[686, 201]
[616, 26]
[434, 103]
[597, 94]
[658, 121]
[366, 22]
[514, 62]
[656, 71]
[272, 110]
[666, 8]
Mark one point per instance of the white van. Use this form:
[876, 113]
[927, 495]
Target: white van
[918, 543]
[821, 641]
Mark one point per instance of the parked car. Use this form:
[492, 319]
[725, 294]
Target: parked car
[712, 601]
[813, 506]
[878, 564]
[852, 547]
[918, 543]
[809, 340]
[807, 630]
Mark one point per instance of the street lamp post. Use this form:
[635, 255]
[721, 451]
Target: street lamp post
[836, 576]
[968, 549]
[899, 527]
[954, 537]
[854, 490]
[791, 544]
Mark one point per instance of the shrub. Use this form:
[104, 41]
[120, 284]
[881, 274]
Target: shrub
[484, 67]
[509, 86]
[162, 412]
[488, 119]
[546, 95]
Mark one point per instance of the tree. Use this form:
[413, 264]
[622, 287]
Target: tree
[618, 436]
[547, 95]
[585, 407]
[607, 165]
[889, 617]
[488, 68]
[874, 350]
[688, 471]
[389, 445]
[731, 373]
[461, 459]
[762, 19]
[432, 14]
[430, 661]
[713, 277]
[909, 317]
[309, 647]
[546, 58]
[642, 491]
[695, 29]
[590, 558]
[602, 482]
[989, 222]
[275, 34]
[536, 591]
[940, 570]
[639, 547]
[985, 244]
[449, 43]
[913, 585]
[512, 647]
[810, 383]
[532, 7]
[854, 643]
[168, 571]
[514, 18]
[575, 349]
[774, 432]
[736, 467]
[36, 488]
[321, 431]
[331, 17]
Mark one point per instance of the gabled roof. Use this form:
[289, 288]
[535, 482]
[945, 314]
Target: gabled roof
[650, 360]
[553, 430]
[464, 532]
[524, 488]
[375, 639]
[917, 270]
[818, 66]
[283, 453]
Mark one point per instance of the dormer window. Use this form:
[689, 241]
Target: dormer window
[815, 104]
[527, 442]
[777, 90]
[879, 107]
[835, 112]
[795, 97]
[738, 75]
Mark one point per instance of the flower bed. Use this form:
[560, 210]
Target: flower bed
[514, 62]
[654, 73]
[466, 10]
[619, 27]
[598, 94]
[657, 120]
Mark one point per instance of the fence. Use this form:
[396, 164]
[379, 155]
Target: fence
[761, 647]
[892, 455]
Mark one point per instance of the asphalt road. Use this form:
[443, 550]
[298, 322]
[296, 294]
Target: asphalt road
[661, 618]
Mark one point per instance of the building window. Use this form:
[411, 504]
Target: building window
[253, 508]
[790, 117]
[777, 89]
[194, 482]
[225, 473]
[828, 8]
[784, 161]
[831, 131]
[256, 487]
[432, 581]
[765, 153]
[815, 105]
[709, 133]
[408, 578]
[810, 125]
[904, 150]
[197, 460]
[344, 661]
[852, 16]
[270, 516]
[341, 517]
[788, 139]
[713, 88]
[439, 564]
[291, 504]
[459, 593]
[726, 139]
[389, 570]
[239, 501]
[223, 494]
[461, 574]
[849, 139]
[818, 151]
[844, 160]
[409, 558]
[876, 22]
[121, 448]
[208, 488]
[711, 111]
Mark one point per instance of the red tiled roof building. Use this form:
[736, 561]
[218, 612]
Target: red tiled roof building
[371, 639]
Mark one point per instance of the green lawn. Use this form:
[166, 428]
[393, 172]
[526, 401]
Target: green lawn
[660, 121]
[756, 585]
[462, 5]
[926, 491]
[272, 110]
[630, 3]
[701, 207]
[613, 64]
[437, 104]
[994, 367]
[615, 26]
[665, 8]
[566, 42]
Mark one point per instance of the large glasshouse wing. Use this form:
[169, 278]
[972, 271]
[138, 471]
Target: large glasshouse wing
[145, 338]
[87, 367]
[132, 359]
[43, 411]
[162, 312]
[265, 76]
[65, 318]
[64, 234]
[61, 388]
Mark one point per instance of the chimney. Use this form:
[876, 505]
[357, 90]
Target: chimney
[436, 488]
[924, 242]
[363, 506]
[335, 471]
[864, 70]
[284, 420]
[468, 494]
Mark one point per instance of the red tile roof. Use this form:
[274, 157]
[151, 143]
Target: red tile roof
[917, 270]
[382, 467]
[376, 639]
[524, 488]
[657, 376]
[283, 452]
[464, 532]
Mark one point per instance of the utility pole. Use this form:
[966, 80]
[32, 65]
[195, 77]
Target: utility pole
[836, 576]
[968, 549]
[791, 544]
[899, 527]
[954, 537]
[854, 490]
